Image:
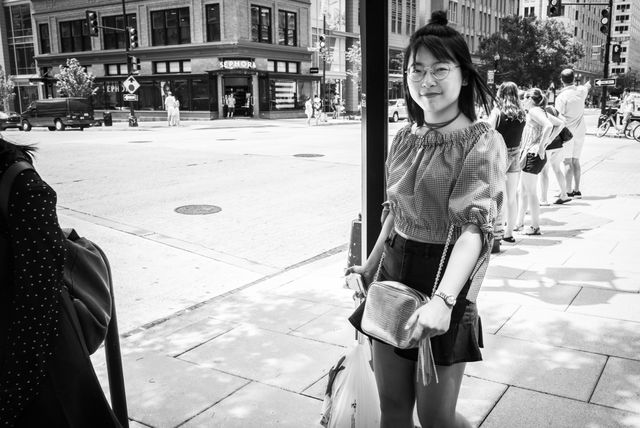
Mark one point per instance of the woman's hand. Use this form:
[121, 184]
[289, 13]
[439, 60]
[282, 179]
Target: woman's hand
[430, 320]
[367, 275]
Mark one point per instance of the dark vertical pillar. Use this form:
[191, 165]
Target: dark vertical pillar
[607, 50]
[374, 35]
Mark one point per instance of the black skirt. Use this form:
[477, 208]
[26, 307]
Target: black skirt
[415, 264]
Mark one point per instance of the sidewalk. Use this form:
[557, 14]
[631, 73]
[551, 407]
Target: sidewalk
[559, 312]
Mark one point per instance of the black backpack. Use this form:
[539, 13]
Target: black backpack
[86, 274]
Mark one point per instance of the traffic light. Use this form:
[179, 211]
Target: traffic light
[616, 50]
[135, 65]
[133, 38]
[92, 22]
[554, 8]
[322, 44]
[605, 21]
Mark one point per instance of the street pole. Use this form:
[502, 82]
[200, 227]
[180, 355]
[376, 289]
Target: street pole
[324, 61]
[133, 120]
[605, 72]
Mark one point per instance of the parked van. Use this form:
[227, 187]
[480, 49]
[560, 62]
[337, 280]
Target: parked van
[58, 113]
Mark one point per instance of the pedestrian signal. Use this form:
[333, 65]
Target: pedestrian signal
[133, 38]
[616, 50]
[135, 65]
[605, 21]
[554, 8]
[92, 22]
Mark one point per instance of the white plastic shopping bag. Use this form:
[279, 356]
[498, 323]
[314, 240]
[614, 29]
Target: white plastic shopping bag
[352, 399]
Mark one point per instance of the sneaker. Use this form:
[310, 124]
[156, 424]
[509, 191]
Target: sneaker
[533, 231]
[544, 204]
[560, 201]
[576, 194]
[509, 239]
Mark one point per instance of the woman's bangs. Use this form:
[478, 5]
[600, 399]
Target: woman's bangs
[435, 45]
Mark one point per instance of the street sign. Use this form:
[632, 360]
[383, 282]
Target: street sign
[605, 82]
[130, 84]
[314, 70]
[490, 75]
[131, 97]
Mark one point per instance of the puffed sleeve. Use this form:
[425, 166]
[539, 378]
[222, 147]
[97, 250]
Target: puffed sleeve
[38, 258]
[478, 192]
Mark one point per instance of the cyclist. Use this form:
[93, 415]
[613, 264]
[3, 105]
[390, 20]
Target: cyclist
[627, 107]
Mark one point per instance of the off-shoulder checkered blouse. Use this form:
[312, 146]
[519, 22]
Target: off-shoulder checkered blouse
[444, 179]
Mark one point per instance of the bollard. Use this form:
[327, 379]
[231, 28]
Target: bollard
[355, 243]
[133, 121]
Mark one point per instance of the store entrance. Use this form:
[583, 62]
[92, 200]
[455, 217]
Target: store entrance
[240, 87]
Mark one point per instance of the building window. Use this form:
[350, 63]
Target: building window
[283, 66]
[170, 27]
[260, 24]
[453, 12]
[411, 16]
[396, 16]
[115, 69]
[114, 39]
[287, 28]
[20, 39]
[74, 36]
[213, 23]
[45, 39]
[164, 67]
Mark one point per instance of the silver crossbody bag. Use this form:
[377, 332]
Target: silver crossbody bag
[388, 307]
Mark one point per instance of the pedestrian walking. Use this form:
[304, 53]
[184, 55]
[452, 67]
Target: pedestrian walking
[540, 129]
[46, 377]
[445, 178]
[317, 108]
[509, 119]
[175, 117]
[570, 104]
[169, 105]
[627, 107]
[231, 105]
[308, 110]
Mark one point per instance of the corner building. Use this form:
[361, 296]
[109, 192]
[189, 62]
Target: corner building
[200, 50]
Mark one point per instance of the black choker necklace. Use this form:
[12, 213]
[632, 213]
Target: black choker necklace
[435, 126]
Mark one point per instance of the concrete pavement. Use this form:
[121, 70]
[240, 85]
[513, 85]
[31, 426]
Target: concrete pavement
[560, 317]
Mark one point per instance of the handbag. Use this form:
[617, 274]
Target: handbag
[86, 273]
[388, 307]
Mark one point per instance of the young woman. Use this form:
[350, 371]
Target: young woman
[540, 130]
[555, 156]
[46, 377]
[444, 169]
[509, 118]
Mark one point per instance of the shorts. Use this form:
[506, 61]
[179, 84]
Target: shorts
[513, 159]
[415, 264]
[573, 147]
[533, 163]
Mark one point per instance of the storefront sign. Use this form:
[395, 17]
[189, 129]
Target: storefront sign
[234, 64]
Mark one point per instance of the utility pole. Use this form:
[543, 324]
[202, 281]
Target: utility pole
[324, 61]
[133, 120]
[605, 72]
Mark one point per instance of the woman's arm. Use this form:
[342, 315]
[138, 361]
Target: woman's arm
[558, 124]
[493, 118]
[539, 116]
[370, 266]
[433, 319]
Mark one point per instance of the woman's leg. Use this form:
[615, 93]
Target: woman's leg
[395, 378]
[529, 187]
[511, 202]
[522, 201]
[555, 158]
[544, 184]
[436, 402]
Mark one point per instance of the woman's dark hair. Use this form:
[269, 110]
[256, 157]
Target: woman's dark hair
[21, 150]
[538, 97]
[509, 101]
[447, 44]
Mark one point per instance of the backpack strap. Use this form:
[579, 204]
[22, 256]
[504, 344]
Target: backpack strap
[7, 181]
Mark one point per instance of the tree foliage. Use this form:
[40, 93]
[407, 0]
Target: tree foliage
[74, 80]
[532, 52]
[354, 57]
[6, 90]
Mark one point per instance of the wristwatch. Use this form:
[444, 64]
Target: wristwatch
[449, 300]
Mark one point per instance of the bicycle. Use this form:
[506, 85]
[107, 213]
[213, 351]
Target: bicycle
[630, 129]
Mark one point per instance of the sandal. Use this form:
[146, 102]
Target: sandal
[509, 239]
[560, 201]
[533, 231]
[518, 227]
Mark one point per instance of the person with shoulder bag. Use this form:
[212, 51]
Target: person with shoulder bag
[46, 376]
[554, 153]
[445, 184]
[540, 130]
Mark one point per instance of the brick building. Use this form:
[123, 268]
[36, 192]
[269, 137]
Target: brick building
[200, 50]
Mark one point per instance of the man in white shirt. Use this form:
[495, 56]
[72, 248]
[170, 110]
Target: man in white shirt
[627, 107]
[570, 104]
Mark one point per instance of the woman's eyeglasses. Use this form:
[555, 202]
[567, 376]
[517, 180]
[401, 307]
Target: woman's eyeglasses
[438, 71]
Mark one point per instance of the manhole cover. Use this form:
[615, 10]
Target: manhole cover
[308, 155]
[140, 141]
[198, 209]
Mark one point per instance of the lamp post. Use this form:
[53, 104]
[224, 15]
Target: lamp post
[496, 58]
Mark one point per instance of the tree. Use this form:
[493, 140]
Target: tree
[354, 57]
[532, 52]
[74, 80]
[6, 90]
